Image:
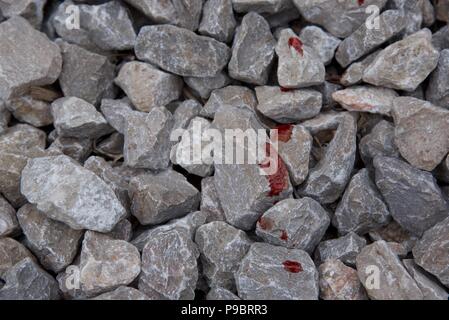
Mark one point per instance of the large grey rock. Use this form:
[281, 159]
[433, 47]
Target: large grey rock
[68, 193]
[181, 51]
[362, 208]
[123, 294]
[147, 139]
[203, 87]
[421, 132]
[345, 249]
[185, 14]
[32, 10]
[53, 243]
[86, 75]
[210, 204]
[340, 282]
[323, 43]
[335, 167]
[430, 288]
[366, 99]
[299, 65]
[365, 39]
[218, 20]
[288, 107]
[8, 220]
[295, 224]
[405, 64]
[11, 252]
[274, 273]
[431, 252]
[30, 110]
[393, 281]
[438, 89]
[148, 87]
[354, 73]
[252, 50]
[76, 118]
[340, 18]
[106, 263]
[29, 58]
[116, 113]
[27, 281]
[413, 197]
[222, 248]
[157, 198]
[185, 112]
[169, 266]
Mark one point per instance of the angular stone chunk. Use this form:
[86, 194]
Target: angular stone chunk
[77, 149]
[218, 293]
[252, 50]
[323, 43]
[169, 266]
[345, 249]
[8, 220]
[405, 64]
[394, 282]
[339, 282]
[340, 18]
[299, 65]
[147, 139]
[440, 39]
[27, 281]
[203, 87]
[181, 51]
[185, 112]
[295, 224]
[288, 107]
[430, 288]
[32, 10]
[432, 251]
[327, 180]
[148, 87]
[294, 147]
[76, 118]
[421, 132]
[394, 233]
[365, 39]
[413, 14]
[184, 14]
[210, 204]
[218, 20]
[275, 273]
[107, 264]
[438, 89]
[123, 294]
[261, 6]
[11, 252]
[162, 197]
[68, 193]
[380, 142]
[232, 96]
[116, 112]
[30, 110]
[29, 58]
[86, 75]
[366, 99]
[354, 73]
[222, 248]
[362, 208]
[413, 197]
[53, 243]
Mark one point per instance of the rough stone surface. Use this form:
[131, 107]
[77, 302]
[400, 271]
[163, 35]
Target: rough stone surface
[340, 282]
[29, 110]
[394, 281]
[77, 149]
[210, 204]
[405, 64]
[431, 252]
[68, 193]
[218, 20]
[8, 220]
[274, 273]
[148, 87]
[53, 243]
[203, 87]
[323, 43]
[345, 249]
[181, 51]
[261, 6]
[232, 96]
[20, 69]
[362, 208]
[252, 50]
[295, 224]
[122, 294]
[218, 293]
[31, 10]
[12, 252]
[438, 89]
[431, 289]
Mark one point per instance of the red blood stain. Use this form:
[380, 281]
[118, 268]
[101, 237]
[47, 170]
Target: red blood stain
[296, 44]
[292, 266]
[279, 180]
[284, 132]
[286, 89]
[284, 235]
[265, 223]
[360, 2]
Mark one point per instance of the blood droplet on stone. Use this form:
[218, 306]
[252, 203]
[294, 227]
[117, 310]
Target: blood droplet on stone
[284, 132]
[265, 223]
[292, 266]
[296, 44]
[279, 180]
[284, 235]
